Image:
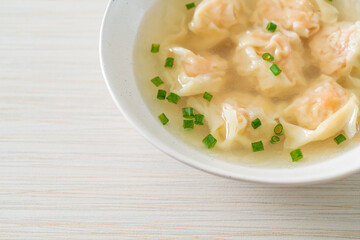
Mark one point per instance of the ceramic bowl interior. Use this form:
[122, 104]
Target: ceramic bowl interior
[118, 36]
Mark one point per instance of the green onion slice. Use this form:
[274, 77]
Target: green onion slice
[199, 119]
[296, 155]
[207, 96]
[209, 141]
[163, 119]
[188, 124]
[173, 98]
[256, 123]
[161, 95]
[257, 146]
[188, 112]
[274, 140]
[268, 57]
[271, 27]
[155, 48]
[190, 6]
[279, 129]
[169, 63]
[157, 81]
[339, 139]
[275, 69]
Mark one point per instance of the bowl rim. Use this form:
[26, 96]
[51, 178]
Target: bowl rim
[201, 166]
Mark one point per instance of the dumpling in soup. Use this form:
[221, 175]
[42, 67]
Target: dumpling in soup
[287, 50]
[336, 49]
[300, 16]
[229, 118]
[213, 19]
[322, 111]
[194, 74]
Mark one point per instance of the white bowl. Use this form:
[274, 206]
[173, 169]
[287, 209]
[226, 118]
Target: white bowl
[117, 39]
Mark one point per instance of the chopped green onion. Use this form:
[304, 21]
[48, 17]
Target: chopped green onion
[207, 96]
[268, 57]
[199, 119]
[173, 98]
[188, 124]
[256, 123]
[257, 146]
[190, 6]
[163, 119]
[155, 48]
[274, 140]
[339, 139]
[161, 95]
[279, 129]
[188, 112]
[157, 81]
[271, 27]
[209, 141]
[296, 155]
[275, 69]
[169, 63]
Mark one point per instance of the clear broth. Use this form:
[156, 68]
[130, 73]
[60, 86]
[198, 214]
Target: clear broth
[162, 21]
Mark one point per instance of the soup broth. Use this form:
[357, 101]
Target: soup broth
[303, 75]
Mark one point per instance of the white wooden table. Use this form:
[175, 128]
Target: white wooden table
[71, 167]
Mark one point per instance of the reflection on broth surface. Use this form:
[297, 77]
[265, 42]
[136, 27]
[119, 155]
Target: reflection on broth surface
[246, 67]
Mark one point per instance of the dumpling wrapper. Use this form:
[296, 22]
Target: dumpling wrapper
[213, 19]
[322, 111]
[348, 10]
[229, 119]
[336, 49]
[300, 16]
[328, 13]
[287, 49]
[194, 74]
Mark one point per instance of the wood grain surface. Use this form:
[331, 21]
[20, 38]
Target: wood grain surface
[71, 167]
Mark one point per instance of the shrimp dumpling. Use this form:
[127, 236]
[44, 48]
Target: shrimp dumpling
[287, 50]
[213, 19]
[336, 49]
[194, 74]
[229, 118]
[300, 16]
[322, 111]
